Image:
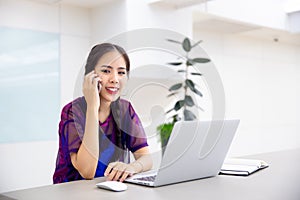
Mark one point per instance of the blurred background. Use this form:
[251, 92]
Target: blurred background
[254, 45]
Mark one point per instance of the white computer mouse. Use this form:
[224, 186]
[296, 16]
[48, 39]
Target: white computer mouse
[112, 185]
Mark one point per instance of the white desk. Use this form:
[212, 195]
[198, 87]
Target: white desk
[281, 181]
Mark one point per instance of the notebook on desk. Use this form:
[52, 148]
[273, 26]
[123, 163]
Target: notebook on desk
[242, 167]
[196, 149]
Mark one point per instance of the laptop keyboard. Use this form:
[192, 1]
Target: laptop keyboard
[147, 178]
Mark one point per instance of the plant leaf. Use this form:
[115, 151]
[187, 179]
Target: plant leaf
[178, 105]
[196, 43]
[169, 110]
[190, 84]
[170, 40]
[165, 131]
[188, 115]
[175, 87]
[198, 74]
[197, 92]
[200, 60]
[175, 118]
[173, 93]
[175, 63]
[189, 101]
[186, 44]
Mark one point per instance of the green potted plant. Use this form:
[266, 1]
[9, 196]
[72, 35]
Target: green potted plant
[187, 86]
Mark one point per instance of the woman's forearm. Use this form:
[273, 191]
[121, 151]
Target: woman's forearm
[143, 163]
[143, 160]
[86, 159]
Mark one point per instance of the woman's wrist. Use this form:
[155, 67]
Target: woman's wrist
[138, 166]
[92, 109]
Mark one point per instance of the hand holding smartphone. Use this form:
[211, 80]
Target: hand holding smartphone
[91, 94]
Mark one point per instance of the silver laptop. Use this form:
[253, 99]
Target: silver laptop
[196, 149]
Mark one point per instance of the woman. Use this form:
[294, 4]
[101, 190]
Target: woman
[97, 131]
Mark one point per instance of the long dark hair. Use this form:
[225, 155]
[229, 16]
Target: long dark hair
[95, 54]
[99, 50]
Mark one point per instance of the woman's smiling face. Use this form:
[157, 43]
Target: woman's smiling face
[111, 68]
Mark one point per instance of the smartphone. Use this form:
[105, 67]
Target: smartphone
[99, 85]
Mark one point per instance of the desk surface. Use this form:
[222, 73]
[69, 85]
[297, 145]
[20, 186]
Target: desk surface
[280, 181]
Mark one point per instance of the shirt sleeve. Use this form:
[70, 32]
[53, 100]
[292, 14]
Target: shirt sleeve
[71, 127]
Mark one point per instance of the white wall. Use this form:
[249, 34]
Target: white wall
[32, 164]
[142, 15]
[75, 29]
[25, 165]
[261, 79]
[108, 20]
[266, 13]
[29, 15]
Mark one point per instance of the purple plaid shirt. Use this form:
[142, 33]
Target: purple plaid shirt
[121, 132]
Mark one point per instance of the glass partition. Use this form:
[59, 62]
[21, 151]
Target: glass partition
[29, 85]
